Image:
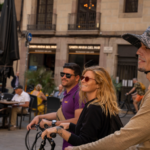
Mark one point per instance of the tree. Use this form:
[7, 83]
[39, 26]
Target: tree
[43, 77]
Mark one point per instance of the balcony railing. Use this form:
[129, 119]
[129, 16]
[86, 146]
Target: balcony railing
[84, 21]
[42, 22]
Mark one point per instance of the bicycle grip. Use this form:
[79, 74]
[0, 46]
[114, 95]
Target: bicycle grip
[45, 126]
[53, 135]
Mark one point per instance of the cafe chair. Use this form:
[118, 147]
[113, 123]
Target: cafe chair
[53, 104]
[24, 115]
[35, 105]
[4, 116]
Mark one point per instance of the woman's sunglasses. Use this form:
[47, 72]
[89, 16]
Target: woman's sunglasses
[68, 75]
[86, 78]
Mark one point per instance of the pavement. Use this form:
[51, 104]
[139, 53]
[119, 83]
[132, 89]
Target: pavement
[15, 140]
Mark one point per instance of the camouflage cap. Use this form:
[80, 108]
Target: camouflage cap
[136, 40]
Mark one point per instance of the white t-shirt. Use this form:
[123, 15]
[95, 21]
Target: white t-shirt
[23, 97]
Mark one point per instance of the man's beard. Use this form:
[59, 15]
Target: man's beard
[141, 69]
[69, 84]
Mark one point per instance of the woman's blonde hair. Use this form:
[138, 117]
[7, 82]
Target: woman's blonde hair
[106, 95]
[38, 87]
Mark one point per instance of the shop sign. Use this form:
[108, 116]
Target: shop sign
[108, 49]
[84, 51]
[43, 46]
[43, 51]
[91, 47]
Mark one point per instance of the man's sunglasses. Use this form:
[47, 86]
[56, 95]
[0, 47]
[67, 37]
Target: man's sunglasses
[86, 78]
[68, 75]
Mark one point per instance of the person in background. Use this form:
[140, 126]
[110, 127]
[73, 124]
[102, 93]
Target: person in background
[40, 98]
[59, 93]
[15, 80]
[94, 123]
[140, 91]
[24, 98]
[70, 109]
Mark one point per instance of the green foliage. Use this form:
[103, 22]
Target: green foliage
[116, 85]
[43, 77]
[1, 5]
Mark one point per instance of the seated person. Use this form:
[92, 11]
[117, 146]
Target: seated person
[60, 93]
[40, 98]
[24, 98]
[101, 107]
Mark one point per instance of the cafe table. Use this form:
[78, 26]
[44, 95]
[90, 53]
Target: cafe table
[7, 104]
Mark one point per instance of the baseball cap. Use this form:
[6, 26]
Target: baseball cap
[18, 87]
[136, 40]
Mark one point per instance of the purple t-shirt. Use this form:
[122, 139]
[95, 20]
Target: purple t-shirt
[69, 105]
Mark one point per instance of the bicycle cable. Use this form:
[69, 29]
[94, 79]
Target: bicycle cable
[38, 135]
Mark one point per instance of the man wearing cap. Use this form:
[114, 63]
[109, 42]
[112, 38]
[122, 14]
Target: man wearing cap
[135, 135]
[24, 98]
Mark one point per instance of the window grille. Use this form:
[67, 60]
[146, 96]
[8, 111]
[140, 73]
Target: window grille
[131, 6]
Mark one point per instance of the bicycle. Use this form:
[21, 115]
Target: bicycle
[38, 135]
[125, 107]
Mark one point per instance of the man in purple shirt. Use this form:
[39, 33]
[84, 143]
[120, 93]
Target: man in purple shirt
[70, 105]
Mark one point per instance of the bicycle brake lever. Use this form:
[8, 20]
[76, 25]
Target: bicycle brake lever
[34, 126]
[52, 143]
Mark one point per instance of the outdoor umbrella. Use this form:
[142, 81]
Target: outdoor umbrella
[9, 49]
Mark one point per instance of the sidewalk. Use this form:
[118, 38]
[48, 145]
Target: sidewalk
[15, 140]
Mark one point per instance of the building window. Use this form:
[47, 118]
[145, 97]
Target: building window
[131, 6]
[44, 13]
[42, 56]
[84, 55]
[86, 17]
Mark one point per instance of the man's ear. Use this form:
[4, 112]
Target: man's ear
[77, 78]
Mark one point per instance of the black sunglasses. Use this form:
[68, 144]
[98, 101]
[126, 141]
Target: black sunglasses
[86, 78]
[68, 75]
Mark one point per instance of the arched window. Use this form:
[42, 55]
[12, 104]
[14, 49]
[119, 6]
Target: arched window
[131, 6]
[86, 17]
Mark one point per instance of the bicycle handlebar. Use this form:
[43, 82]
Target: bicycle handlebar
[53, 135]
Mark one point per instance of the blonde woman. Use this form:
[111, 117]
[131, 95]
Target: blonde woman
[40, 98]
[94, 123]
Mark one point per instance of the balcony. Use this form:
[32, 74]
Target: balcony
[85, 22]
[42, 23]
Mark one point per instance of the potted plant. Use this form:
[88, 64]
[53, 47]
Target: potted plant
[1, 5]
[116, 85]
[43, 77]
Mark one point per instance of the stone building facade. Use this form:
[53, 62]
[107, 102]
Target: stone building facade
[87, 32]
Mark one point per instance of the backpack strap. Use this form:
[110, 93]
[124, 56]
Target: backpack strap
[74, 95]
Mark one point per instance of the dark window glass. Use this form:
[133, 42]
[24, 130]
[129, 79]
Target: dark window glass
[131, 6]
[82, 60]
[127, 67]
[42, 60]
[45, 13]
[86, 17]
